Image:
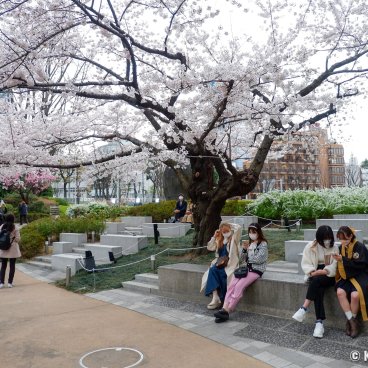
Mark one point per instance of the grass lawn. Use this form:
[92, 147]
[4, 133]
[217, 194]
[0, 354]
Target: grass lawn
[84, 282]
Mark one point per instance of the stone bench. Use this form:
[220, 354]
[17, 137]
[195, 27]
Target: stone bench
[134, 230]
[60, 261]
[130, 244]
[245, 221]
[62, 247]
[358, 224]
[293, 248]
[135, 221]
[310, 234]
[277, 294]
[352, 216]
[114, 227]
[101, 252]
[167, 230]
[76, 239]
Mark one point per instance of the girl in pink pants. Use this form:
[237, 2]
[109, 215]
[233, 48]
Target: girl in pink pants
[253, 254]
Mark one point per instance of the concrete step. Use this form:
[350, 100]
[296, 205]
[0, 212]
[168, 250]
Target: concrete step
[79, 250]
[141, 287]
[147, 278]
[45, 259]
[38, 264]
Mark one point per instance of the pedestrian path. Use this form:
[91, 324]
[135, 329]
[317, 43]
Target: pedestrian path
[278, 342]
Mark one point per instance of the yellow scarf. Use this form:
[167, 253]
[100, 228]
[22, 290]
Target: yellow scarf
[340, 266]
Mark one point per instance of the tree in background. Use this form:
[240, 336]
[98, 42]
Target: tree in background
[172, 82]
[33, 182]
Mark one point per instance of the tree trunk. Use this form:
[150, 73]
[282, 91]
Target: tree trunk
[65, 188]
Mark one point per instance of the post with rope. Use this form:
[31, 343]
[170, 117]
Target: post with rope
[68, 275]
[156, 233]
[153, 262]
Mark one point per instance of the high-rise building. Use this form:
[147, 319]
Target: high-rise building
[306, 160]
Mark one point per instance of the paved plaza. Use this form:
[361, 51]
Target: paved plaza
[278, 342]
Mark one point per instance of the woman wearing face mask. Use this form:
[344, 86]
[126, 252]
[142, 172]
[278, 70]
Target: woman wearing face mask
[225, 243]
[320, 269]
[352, 279]
[253, 254]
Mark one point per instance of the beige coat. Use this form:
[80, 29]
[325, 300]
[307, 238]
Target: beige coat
[310, 259]
[233, 251]
[13, 251]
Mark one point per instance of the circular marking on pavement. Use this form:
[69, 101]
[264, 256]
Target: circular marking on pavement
[117, 357]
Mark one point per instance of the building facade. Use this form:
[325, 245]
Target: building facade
[310, 161]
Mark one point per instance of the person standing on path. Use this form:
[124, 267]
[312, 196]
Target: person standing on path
[12, 253]
[23, 213]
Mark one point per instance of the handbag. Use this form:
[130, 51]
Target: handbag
[241, 272]
[222, 262]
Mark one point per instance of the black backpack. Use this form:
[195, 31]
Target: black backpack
[5, 241]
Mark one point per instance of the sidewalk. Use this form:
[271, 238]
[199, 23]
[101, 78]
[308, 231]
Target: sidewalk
[278, 342]
[43, 326]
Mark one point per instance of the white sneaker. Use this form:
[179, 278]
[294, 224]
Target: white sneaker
[299, 315]
[214, 304]
[10, 285]
[1, 286]
[318, 330]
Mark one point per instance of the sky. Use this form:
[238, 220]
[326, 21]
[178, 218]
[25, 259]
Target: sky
[354, 134]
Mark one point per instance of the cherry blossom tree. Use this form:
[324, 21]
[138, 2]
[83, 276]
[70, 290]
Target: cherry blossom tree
[170, 81]
[34, 181]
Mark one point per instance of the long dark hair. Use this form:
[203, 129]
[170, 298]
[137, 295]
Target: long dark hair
[324, 232]
[257, 227]
[9, 222]
[344, 232]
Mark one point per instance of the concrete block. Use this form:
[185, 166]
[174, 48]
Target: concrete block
[75, 238]
[300, 270]
[167, 230]
[362, 216]
[60, 261]
[277, 294]
[293, 248]
[114, 227]
[245, 221]
[134, 230]
[135, 221]
[62, 247]
[357, 224]
[310, 234]
[101, 252]
[130, 244]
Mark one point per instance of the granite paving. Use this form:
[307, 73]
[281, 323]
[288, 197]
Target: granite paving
[279, 342]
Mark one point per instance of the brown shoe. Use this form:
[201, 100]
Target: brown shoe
[348, 328]
[354, 325]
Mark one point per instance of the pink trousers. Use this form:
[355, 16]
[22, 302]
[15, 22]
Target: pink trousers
[236, 289]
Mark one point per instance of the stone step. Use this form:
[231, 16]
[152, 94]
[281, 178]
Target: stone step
[38, 264]
[141, 287]
[45, 259]
[147, 278]
[79, 250]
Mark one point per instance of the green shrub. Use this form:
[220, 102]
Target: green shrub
[309, 204]
[38, 206]
[61, 201]
[235, 207]
[159, 211]
[33, 216]
[31, 242]
[36, 233]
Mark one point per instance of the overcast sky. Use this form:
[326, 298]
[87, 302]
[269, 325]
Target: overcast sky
[354, 134]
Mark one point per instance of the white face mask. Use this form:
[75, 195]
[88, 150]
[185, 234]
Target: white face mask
[181, 198]
[327, 243]
[253, 236]
[226, 235]
[345, 242]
